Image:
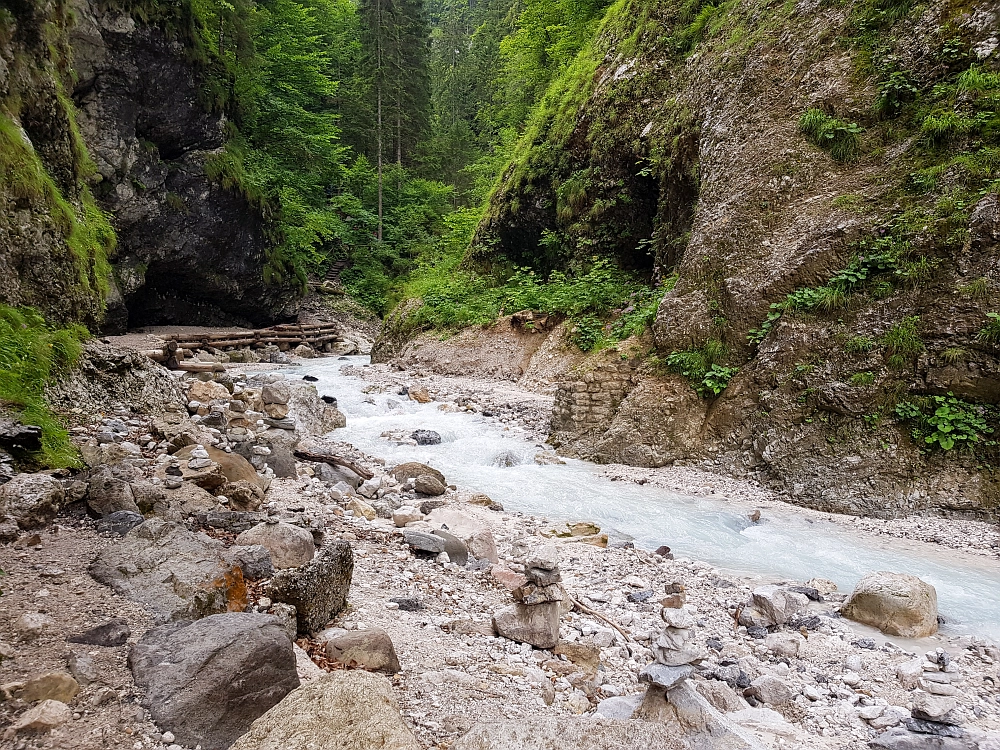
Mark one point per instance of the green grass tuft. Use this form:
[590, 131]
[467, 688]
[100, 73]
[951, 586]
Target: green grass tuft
[842, 140]
[31, 354]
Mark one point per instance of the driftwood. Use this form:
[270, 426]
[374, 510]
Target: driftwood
[326, 458]
[588, 611]
[198, 367]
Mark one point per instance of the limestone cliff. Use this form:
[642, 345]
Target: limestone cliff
[818, 181]
[116, 115]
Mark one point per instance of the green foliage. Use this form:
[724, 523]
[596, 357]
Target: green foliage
[31, 354]
[842, 140]
[703, 367]
[947, 422]
[990, 333]
[902, 342]
[862, 379]
[860, 345]
[88, 232]
[895, 91]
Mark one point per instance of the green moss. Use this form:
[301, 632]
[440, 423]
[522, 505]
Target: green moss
[86, 228]
[31, 354]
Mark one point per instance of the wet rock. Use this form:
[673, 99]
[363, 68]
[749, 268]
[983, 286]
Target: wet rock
[174, 573]
[420, 395]
[895, 603]
[318, 590]
[412, 470]
[254, 560]
[562, 733]
[368, 649]
[426, 437]
[209, 680]
[537, 625]
[44, 717]
[31, 499]
[112, 633]
[345, 710]
[290, 546]
[120, 522]
[428, 484]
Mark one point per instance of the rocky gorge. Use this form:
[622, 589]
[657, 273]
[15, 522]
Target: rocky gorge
[201, 583]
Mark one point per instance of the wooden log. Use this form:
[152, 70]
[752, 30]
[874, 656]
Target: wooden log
[325, 458]
[157, 355]
[200, 367]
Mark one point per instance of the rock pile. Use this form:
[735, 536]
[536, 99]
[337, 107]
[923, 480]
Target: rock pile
[534, 617]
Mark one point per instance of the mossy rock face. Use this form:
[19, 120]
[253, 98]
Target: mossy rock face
[813, 180]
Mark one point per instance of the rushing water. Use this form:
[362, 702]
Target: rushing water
[479, 454]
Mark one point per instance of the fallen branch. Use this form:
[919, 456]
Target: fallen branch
[325, 458]
[588, 611]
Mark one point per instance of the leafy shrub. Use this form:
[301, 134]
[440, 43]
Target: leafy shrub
[841, 139]
[31, 353]
[946, 422]
[990, 333]
[701, 367]
[587, 333]
[894, 92]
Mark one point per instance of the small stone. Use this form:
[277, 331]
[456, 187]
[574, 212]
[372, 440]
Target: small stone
[47, 715]
[361, 509]
[424, 542]
[368, 649]
[406, 514]
[426, 437]
[30, 625]
[937, 708]
[770, 689]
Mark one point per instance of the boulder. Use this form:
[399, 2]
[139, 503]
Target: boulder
[120, 522]
[361, 509]
[424, 542]
[235, 468]
[254, 560]
[895, 603]
[108, 494]
[209, 680]
[187, 500]
[243, 496]
[310, 414]
[412, 470]
[772, 690]
[206, 391]
[278, 392]
[406, 514]
[345, 710]
[420, 395]
[31, 499]
[334, 474]
[426, 437]
[428, 484]
[56, 686]
[45, 716]
[537, 624]
[318, 590]
[902, 739]
[458, 553]
[290, 546]
[937, 708]
[566, 733]
[175, 573]
[368, 649]
[772, 605]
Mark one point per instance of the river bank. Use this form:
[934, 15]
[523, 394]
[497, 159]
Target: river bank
[829, 684]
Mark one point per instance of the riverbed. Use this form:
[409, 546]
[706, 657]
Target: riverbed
[786, 544]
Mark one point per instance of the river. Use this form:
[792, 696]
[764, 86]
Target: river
[478, 454]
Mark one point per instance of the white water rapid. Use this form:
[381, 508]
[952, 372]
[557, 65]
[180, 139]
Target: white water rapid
[478, 454]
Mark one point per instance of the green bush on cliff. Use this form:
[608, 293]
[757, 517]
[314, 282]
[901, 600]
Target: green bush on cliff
[842, 140]
[947, 422]
[31, 354]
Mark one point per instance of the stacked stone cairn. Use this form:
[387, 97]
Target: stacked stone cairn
[534, 617]
[674, 652]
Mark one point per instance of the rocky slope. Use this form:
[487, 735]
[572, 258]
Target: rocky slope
[112, 116]
[828, 275]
